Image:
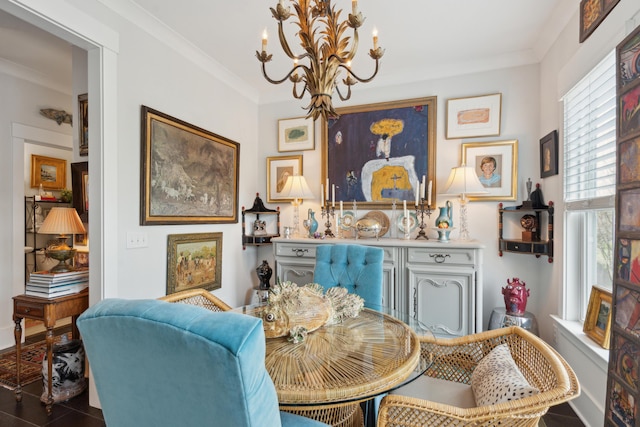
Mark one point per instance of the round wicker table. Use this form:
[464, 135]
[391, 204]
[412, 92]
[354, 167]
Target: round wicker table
[339, 366]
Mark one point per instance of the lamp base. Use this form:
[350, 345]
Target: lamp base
[61, 255]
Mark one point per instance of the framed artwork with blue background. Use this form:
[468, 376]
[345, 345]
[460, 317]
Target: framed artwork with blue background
[377, 153]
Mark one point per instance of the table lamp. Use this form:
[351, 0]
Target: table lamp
[64, 222]
[297, 189]
[462, 181]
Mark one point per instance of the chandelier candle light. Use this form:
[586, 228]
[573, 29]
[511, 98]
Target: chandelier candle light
[297, 189]
[463, 181]
[326, 50]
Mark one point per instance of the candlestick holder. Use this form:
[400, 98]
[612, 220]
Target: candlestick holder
[421, 211]
[329, 212]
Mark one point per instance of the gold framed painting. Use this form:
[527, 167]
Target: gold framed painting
[189, 175]
[49, 172]
[496, 164]
[278, 170]
[376, 154]
[296, 134]
[597, 323]
[194, 261]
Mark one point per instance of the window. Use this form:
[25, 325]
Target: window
[589, 184]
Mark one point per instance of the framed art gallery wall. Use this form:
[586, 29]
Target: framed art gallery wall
[623, 386]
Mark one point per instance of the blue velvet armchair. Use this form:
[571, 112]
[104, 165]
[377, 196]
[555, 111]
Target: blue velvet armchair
[162, 364]
[355, 267]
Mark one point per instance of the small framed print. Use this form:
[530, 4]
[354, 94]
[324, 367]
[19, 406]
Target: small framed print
[628, 309]
[278, 170]
[549, 155]
[597, 323]
[296, 134]
[592, 13]
[474, 116]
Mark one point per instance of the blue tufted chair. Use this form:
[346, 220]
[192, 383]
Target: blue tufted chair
[355, 267]
[162, 364]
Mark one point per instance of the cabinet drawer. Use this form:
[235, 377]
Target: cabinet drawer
[518, 246]
[24, 309]
[441, 256]
[296, 250]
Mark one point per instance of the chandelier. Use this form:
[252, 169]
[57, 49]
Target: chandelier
[326, 52]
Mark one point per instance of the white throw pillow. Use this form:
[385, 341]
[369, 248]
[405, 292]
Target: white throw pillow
[497, 379]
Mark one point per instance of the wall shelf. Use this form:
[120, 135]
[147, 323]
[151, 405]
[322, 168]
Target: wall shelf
[534, 246]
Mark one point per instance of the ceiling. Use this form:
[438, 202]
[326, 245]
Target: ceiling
[423, 39]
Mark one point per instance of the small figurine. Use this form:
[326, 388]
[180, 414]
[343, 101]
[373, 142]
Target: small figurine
[515, 297]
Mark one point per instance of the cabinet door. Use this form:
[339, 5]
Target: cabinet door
[442, 299]
[296, 271]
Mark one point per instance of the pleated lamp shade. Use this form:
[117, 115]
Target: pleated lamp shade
[296, 188]
[62, 221]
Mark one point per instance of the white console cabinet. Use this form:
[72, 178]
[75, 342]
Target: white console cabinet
[440, 284]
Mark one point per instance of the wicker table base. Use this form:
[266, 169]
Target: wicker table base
[337, 416]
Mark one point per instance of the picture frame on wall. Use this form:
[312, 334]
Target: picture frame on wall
[474, 116]
[189, 175]
[549, 155]
[495, 164]
[80, 189]
[592, 13]
[83, 127]
[194, 261]
[297, 134]
[627, 313]
[597, 323]
[629, 111]
[628, 59]
[278, 170]
[49, 172]
[376, 153]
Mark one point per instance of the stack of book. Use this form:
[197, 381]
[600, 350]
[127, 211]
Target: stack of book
[51, 285]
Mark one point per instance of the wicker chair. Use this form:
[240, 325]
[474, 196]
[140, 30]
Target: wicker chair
[455, 359]
[199, 297]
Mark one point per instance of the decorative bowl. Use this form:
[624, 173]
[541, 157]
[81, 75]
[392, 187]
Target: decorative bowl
[368, 227]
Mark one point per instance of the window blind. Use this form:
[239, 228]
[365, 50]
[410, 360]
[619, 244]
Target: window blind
[590, 135]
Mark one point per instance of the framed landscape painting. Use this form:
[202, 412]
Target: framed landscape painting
[49, 172]
[189, 175]
[194, 261]
[377, 153]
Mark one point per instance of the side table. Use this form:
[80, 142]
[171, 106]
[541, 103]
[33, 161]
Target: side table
[500, 319]
[48, 311]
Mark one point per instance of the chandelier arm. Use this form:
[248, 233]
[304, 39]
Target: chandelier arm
[285, 78]
[361, 80]
[354, 45]
[344, 98]
[295, 91]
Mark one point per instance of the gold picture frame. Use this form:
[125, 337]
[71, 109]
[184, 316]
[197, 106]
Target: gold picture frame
[502, 184]
[297, 134]
[49, 172]
[278, 170]
[188, 174]
[376, 154]
[83, 127]
[194, 261]
[597, 323]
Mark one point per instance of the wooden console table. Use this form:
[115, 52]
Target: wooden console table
[48, 311]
